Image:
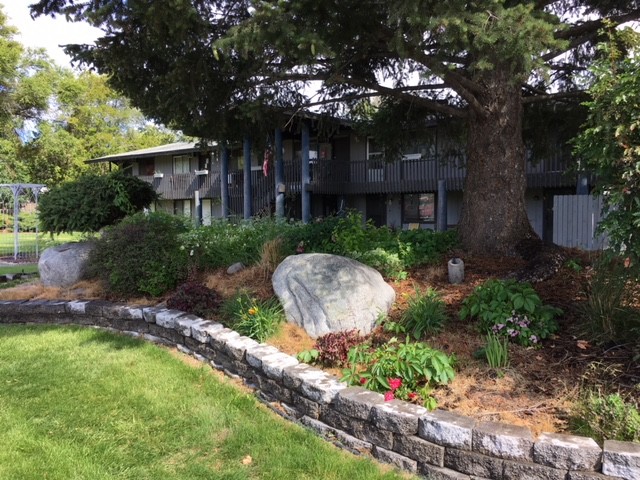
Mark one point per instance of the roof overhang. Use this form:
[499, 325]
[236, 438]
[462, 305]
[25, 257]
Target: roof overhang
[179, 148]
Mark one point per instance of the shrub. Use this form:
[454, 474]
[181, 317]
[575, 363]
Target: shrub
[606, 417]
[333, 348]
[141, 255]
[425, 314]
[511, 309]
[388, 264]
[223, 242]
[252, 317]
[424, 246]
[92, 202]
[607, 310]
[195, 298]
[405, 370]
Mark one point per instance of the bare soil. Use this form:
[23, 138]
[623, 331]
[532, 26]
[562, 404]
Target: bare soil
[537, 390]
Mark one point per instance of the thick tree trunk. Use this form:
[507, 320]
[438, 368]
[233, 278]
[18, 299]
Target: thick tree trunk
[494, 218]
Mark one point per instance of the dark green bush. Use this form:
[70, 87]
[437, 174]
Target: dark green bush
[141, 255]
[92, 202]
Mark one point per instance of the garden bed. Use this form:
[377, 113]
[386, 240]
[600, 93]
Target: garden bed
[536, 390]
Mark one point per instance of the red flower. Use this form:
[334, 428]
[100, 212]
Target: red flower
[394, 383]
[363, 381]
[389, 396]
[412, 396]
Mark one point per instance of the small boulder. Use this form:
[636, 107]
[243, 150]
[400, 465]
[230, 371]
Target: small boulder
[65, 264]
[235, 268]
[327, 293]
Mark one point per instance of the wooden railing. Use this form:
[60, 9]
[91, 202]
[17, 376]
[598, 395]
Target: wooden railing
[353, 177]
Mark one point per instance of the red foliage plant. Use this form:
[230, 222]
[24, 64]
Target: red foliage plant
[334, 347]
[195, 298]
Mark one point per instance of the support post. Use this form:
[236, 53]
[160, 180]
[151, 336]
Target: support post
[279, 175]
[441, 219]
[248, 200]
[198, 204]
[305, 194]
[224, 182]
[16, 189]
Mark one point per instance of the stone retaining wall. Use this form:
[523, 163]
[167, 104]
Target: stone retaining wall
[439, 445]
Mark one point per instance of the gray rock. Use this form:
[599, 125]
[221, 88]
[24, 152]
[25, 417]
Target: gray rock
[235, 268]
[567, 451]
[328, 293]
[64, 265]
[621, 459]
[503, 441]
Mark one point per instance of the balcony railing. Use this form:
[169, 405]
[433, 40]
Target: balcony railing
[411, 174]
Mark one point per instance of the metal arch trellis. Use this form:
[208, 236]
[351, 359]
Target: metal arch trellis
[16, 190]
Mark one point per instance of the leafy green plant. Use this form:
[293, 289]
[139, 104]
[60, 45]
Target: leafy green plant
[252, 317]
[574, 264]
[417, 367]
[496, 351]
[426, 314]
[387, 263]
[308, 356]
[92, 202]
[606, 417]
[195, 298]
[511, 309]
[334, 347]
[141, 255]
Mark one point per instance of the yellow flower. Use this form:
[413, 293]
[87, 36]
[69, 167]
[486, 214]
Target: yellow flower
[253, 310]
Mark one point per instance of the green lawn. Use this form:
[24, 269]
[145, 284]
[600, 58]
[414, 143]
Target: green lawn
[79, 403]
[19, 268]
[27, 241]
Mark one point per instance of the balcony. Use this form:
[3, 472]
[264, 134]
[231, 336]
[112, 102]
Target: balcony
[412, 174]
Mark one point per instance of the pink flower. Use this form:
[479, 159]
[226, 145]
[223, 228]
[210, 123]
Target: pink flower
[363, 381]
[412, 396]
[389, 396]
[394, 383]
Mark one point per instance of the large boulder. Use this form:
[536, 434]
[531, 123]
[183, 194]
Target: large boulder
[65, 264]
[328, 293]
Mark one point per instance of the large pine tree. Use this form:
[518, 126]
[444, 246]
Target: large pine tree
[205, 64]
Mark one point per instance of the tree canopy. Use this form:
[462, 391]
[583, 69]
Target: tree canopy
[209, 65]
[53, 119]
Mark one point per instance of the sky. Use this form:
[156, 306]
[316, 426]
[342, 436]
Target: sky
[46, 32]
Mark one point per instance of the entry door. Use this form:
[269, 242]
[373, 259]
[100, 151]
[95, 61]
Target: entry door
[377, 209]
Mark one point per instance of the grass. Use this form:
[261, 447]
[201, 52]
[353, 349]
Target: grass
[78, 403]
[27, 242]
[19, 268]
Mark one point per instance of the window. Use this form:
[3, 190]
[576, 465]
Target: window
[419, 208]
[181, 164]
[374, 150]
[146, 166]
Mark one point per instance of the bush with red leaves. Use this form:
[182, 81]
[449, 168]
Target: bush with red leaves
[195, 298]
[334, 347]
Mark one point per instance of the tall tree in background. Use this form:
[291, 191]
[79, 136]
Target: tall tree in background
[53, 119]
[206, 63]
[24, 92]
[86, 119]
